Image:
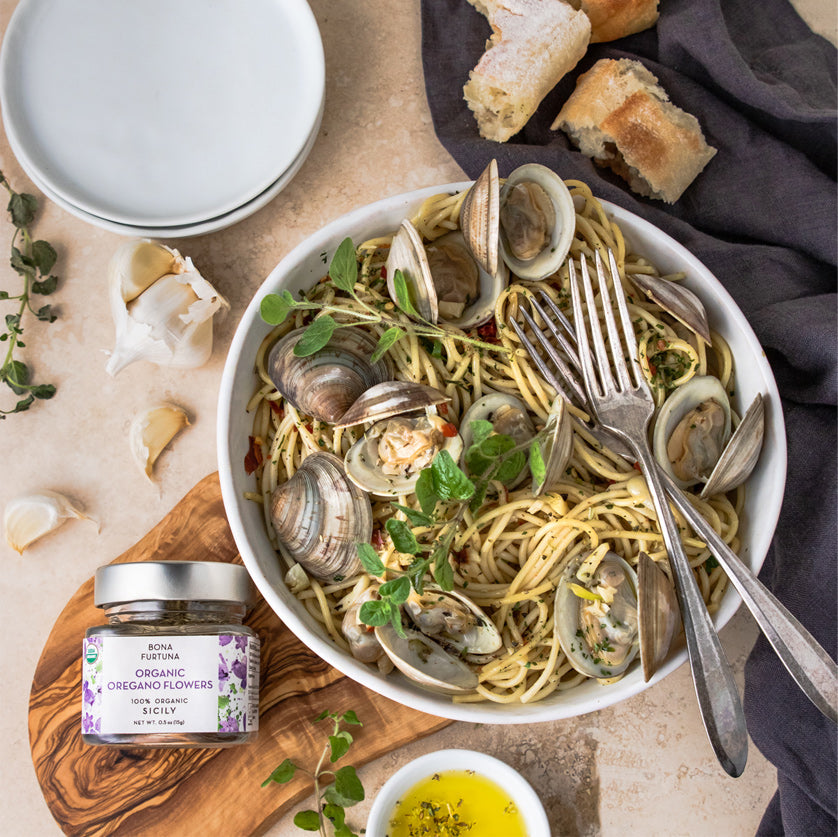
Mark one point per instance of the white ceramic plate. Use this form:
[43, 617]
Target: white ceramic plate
[160, 113]
[305, 265]
[520, 791]
[202, 227]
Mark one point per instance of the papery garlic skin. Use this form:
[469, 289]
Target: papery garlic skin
[27, 518]
[151, 431]
[162, 307]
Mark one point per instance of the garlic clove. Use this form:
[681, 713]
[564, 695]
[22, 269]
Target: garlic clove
[27, 518]
[152, 430]
[169, 323]
[137, 265]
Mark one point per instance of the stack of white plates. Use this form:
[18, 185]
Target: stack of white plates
[163, 118]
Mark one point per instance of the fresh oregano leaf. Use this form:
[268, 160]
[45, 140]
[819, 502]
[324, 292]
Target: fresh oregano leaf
[349, 717]
[340, 744]
[425, 491]
[403, 299]
[46, 287]
[44, 256]
[386, 341]
[443, 571]
[370, 559]
[284, 773]
[375, 613]
[316, 336]
[307, 820]
[22, 208]
[403, 538]
[449, 482]
[273, 309]
[343, 270]
[480, 430]
[537, 467]
[416, 518]
[348, 785]
[396, 590]
[509, 469]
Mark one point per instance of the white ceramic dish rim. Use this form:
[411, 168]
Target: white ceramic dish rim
[306, 263]
[202, 228]
[519, 789]
[41, 168]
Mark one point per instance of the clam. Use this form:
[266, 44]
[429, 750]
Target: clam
[319, 515]
[676, 300]
[604, 616]
[361, 637]
[691, 430]
[557, 447]
[691, 438]
[508, 416]
[324, 385]
[391, 398]
[444, 629]
[389, 457]
[740, 456]
[443, 280]
[532, 219]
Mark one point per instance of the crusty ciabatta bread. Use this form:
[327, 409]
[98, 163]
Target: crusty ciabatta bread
[533, 44]
[612, 19]
[621, 117]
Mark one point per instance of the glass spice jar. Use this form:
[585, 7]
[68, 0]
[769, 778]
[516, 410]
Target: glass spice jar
[174, 666]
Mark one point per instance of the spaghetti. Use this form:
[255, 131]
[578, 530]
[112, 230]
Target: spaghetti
[508, 555]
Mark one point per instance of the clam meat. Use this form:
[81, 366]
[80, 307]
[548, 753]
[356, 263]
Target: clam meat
[389, 457]
[319, 516]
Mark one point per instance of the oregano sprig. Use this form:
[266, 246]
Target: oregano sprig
[490, 456]
[343, 788]
[343, 275]
[33, 260]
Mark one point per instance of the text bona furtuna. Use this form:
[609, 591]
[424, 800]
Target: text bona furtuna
[160, 651]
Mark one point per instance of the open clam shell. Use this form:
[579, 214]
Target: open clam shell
[319, 516]
[391, 398]
[687, 439]
[324, 385]
[741, 454]
[507, 414]
[479, 218]
[388, 458]
[557, 448]
[444, 281]
[658, 614]
[676, 300]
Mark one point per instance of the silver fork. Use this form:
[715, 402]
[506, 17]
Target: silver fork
[804, 658]
[624, 405]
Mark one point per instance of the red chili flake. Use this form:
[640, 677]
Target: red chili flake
[443, 408]
[636, 467]
[377, 539]
[448, 430]
[277, 408]
[460, 555]
[253, 457]
[653, 369]
[384, 272]
[310, 428]
[488, 332]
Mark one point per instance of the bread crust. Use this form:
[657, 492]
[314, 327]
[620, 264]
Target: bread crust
[534, 43]
[621, 117]
[613, 19]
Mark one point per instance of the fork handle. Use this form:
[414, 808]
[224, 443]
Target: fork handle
[807, 662]
[715, 688]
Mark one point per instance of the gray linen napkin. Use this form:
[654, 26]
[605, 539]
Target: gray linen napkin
[762, 217]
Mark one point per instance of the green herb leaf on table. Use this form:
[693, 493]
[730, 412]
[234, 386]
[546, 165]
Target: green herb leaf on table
[332, 798]
[32, 260]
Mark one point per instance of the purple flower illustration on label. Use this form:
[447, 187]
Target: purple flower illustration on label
[233, 697]
[91, 713]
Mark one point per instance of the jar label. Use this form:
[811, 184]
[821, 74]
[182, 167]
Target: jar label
[136, 685]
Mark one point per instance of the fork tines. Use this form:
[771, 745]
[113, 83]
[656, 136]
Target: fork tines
[623, 347]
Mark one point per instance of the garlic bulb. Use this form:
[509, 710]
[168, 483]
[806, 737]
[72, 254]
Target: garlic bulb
[152, 430]
[162, 307]
[30, 517]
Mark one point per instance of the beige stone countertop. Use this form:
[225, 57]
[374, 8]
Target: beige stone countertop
[641, 767]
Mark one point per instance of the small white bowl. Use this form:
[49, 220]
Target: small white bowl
[518, 788]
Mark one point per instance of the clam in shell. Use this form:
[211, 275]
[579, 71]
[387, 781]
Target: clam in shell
[390, 398]
[324, 385]
[319, 516]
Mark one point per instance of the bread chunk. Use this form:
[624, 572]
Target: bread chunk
[622, 118]
[533, 44]
[612, 19]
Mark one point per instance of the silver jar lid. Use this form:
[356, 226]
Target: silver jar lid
[209, 581]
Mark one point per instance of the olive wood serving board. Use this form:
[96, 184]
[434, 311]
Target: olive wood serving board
[108, 790]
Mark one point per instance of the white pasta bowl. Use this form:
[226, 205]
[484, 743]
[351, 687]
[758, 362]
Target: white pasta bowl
[304, 266]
